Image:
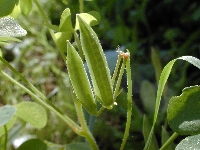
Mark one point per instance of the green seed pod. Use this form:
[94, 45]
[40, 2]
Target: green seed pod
[97, 64]
[79, 80]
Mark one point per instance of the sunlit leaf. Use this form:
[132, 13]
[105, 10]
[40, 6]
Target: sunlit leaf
[65, 21]
[32, 113]
[25, 6]
[92, 18]
[184, 112]
[9, 27]
[189, 143]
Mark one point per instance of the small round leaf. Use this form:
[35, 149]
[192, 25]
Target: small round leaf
[189, 143]
[32, 113]
[33, 144]
[6, 114]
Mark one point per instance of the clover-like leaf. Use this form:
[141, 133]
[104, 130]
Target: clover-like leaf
[33, 144]
[189, 143]
[32, 113]
[7, 6]
[92, 18]
[9, 27]
[184, 112]
[65, 21]
[6, 114]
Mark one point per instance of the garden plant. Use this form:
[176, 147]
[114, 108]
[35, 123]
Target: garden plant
[93, 83]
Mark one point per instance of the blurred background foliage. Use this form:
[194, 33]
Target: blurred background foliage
[167, 28]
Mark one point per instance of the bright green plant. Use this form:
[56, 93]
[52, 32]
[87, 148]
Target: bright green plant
[101, 92]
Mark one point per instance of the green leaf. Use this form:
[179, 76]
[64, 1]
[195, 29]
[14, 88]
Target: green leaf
[32, 113]
[7, 6]
[61, 38]
[5, 39]
[146, 130]
[25, 6]
[183, 112]
[76, 146]
[92, 18]
[163, 79]
[189, 143]
[6, 114]
[65, 21]
[147, 94]
[97, 64]
[33, 144]
[9, 27]
[79, 80]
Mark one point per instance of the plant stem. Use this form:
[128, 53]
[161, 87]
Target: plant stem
[46, 20]
[81, 4]
[169, 141]
[85, 130]
[63, 117]
[6, 137]
[129, 104]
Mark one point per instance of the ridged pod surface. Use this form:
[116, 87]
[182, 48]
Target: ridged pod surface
[97, 64]
[79, 80]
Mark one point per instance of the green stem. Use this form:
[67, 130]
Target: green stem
[6, 137]
[116, 91]
[169, 141]
[85, 130]
[81, 4]
[63, 117]
[46, 20]
[129, 104]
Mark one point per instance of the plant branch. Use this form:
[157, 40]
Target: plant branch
[169, 141]
[59, 114]
[85, 130]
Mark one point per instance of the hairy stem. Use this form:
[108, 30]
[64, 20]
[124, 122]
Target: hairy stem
[85, 130]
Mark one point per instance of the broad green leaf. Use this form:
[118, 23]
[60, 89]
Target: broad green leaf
[146, 130]
[61, 38]
[148, 96]
[65, 21]
[80, 82]
[189, 143]
[163, 79]
[7, 7]
[25, 6]
[32, 113]
[33, 144]
[9, 27]
[76, 146]
[9, 125]
[165, 137]
[184, 112]
[92, 18]
[6, 114]
[97, 64]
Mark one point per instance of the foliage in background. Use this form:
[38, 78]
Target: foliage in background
[171, 27]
